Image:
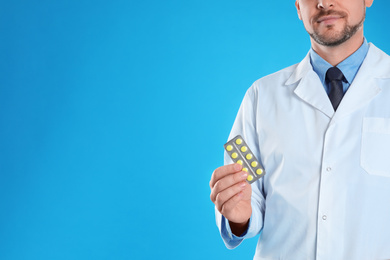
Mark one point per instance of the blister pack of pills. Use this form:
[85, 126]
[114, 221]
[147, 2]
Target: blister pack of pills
[240, 153]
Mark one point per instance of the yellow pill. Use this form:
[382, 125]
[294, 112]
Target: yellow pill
[259, 171]
[234, 155]
[229, 147]
[249, 156]
[239, 162]
[254, 164]
[249, 178]
[245, 169]
[239, 141]
[244, 149]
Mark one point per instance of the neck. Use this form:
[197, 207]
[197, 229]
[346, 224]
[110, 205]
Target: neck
[336, 54]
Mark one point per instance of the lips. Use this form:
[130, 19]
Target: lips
[328, 18]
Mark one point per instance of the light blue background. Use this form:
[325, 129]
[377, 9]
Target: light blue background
[113, 115]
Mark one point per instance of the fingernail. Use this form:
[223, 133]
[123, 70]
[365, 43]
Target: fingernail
[237, 167]
[244, 175]
[243, 184]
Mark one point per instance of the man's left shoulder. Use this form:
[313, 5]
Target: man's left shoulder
[377, 61]
[377, 55]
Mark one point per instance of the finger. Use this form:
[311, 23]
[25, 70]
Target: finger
[223, 171]
[223, 197]
[227, 182]
[231, 204]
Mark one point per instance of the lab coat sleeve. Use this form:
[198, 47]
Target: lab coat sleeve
[245, 125]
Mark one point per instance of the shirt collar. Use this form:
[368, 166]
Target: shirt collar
[349, 66]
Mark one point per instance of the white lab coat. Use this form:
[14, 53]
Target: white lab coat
[326, 192]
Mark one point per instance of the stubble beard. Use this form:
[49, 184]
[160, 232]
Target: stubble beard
[337, 38]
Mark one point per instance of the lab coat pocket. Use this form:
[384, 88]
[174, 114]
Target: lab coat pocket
[375, 150]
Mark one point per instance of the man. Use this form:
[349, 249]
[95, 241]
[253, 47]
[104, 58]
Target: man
[321, 129]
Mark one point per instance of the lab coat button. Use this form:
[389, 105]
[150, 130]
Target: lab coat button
[324, 217]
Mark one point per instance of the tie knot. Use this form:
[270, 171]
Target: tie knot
[334, 73]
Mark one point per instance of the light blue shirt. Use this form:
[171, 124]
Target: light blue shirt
[326, 191]
[349, 67]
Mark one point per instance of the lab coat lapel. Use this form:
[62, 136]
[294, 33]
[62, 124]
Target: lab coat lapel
[310, 88]
[365, 86]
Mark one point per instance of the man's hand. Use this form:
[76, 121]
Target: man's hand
[231, 194]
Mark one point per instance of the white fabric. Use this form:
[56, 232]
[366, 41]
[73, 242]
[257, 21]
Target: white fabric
[326, 192]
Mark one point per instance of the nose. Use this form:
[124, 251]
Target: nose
[325, 4]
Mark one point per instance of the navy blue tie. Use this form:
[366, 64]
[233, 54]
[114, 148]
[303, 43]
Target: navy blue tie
[335, 78]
